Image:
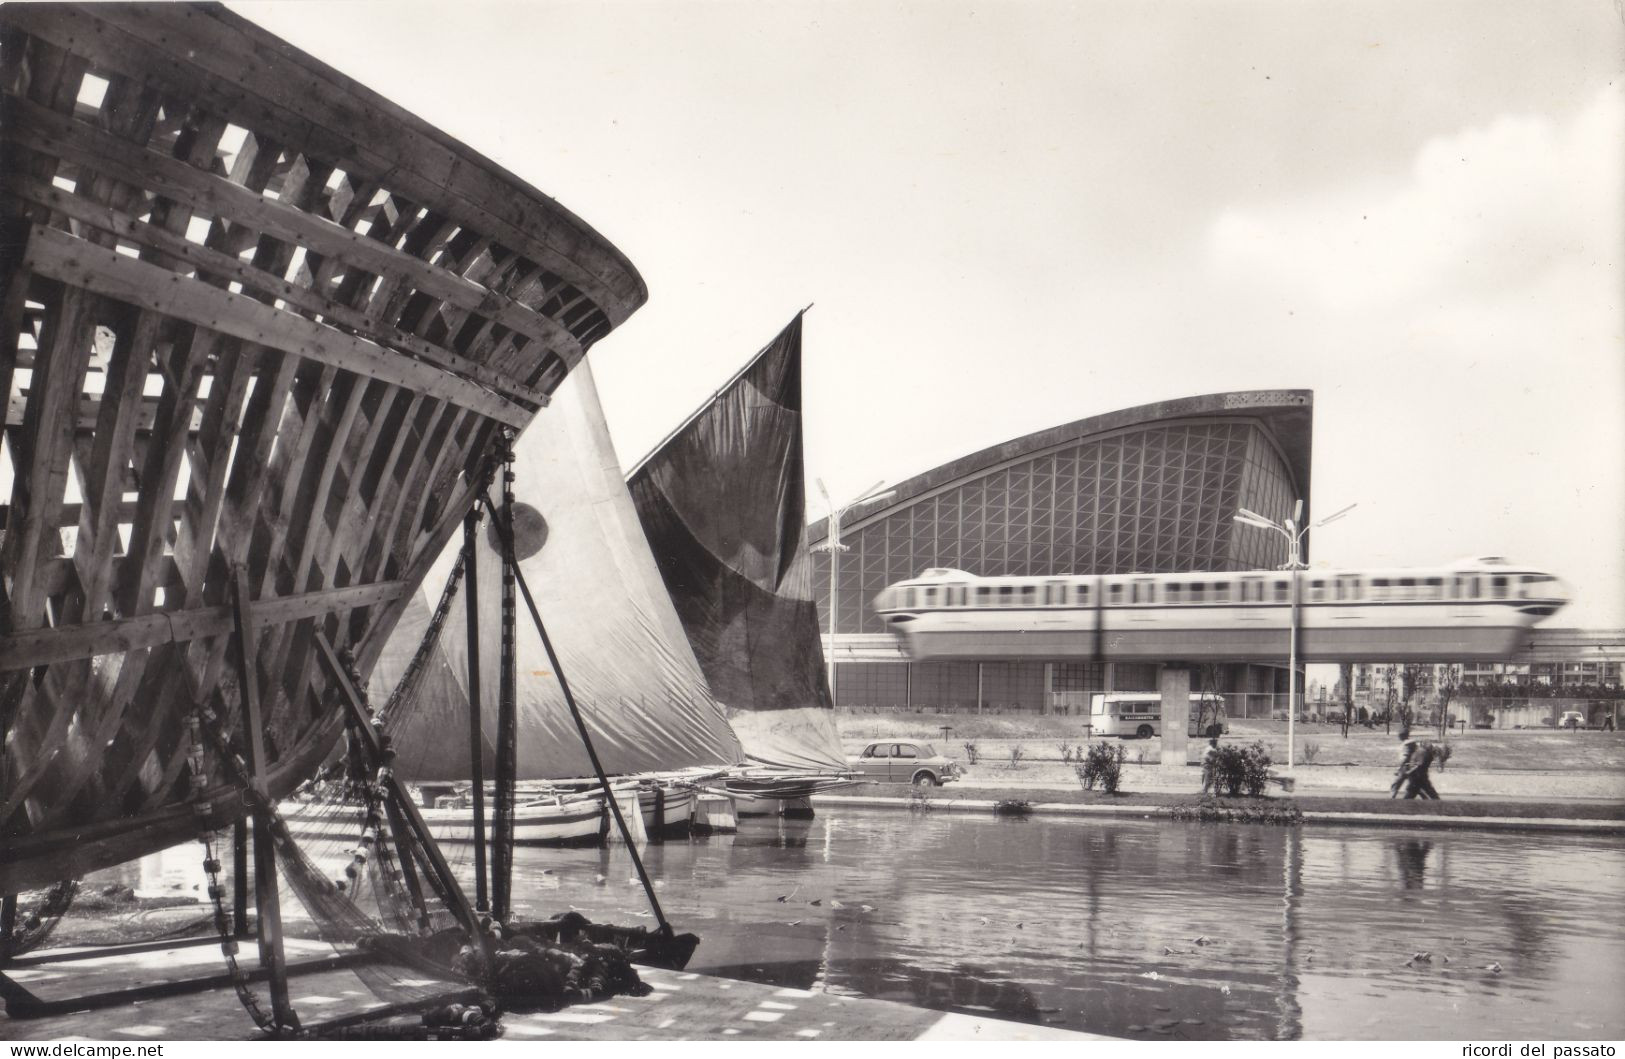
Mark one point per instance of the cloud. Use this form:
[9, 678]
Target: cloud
[1482, 211]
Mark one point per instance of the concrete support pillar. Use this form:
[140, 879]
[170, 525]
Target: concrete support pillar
[1049, 688]
[1175, 684]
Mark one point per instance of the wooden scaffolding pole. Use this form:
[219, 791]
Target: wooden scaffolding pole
[266, 899]
[476, 753]
[507, 709]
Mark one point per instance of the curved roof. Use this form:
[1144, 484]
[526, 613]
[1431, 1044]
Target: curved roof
[1286, 415]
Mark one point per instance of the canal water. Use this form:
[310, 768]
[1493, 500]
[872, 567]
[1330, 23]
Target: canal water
[1143, 928]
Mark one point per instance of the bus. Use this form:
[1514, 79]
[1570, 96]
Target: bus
[1138, 714]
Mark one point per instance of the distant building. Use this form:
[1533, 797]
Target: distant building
[1151, 489]
[1560, 670]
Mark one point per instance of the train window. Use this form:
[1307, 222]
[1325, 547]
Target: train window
[930, 597]
[1173, 595]
[1252, 590]
[1433, 588]
[1348, 588]
[1114, 595]
[956, 596]
[1317, 590]
[1029, 595]
[1080, 593]
[1499, 586]
[1379, 589]
[1006, 595]
[1145, 591]
[1407, 588]
[1198, 592]
[984, 595]
[1221, 592]
[908, 599]
[1474, 590]
[1283, 590]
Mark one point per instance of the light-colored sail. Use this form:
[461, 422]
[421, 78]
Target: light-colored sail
[622, 649]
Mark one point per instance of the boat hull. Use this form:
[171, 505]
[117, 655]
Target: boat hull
[269, 337]
[582, 821]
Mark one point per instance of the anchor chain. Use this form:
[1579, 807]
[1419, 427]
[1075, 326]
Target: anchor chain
[201, 721]
[35, 924]
[406, 689]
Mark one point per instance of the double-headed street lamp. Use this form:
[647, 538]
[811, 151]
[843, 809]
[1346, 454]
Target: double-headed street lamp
[1294, 533]
[832, 544]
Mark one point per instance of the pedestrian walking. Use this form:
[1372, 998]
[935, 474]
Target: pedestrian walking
[1210, 765]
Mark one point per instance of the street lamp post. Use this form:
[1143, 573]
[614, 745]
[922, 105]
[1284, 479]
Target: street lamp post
[1294, 533]
[832, 544]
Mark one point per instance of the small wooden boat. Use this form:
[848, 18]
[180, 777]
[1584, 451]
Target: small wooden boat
[561, 820]
[556, 823]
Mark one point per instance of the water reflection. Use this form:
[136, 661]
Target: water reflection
[1222, 931]
[1412, 855]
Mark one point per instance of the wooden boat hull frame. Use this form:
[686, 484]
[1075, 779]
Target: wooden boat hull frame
[260, 330]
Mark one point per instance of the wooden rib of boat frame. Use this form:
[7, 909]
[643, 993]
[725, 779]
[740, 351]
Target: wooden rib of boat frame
[255, 317]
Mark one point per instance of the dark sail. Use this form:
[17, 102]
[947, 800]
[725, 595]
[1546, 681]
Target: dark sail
[723, 504]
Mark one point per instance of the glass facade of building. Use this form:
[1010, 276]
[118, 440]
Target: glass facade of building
[1150, 489]
[1157, 499]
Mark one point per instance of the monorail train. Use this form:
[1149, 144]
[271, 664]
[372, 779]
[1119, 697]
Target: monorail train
[1475, 609]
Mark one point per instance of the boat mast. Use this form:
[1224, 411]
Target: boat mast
[505, 530]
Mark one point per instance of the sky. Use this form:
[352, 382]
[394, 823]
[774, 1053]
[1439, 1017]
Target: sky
[1009, 216]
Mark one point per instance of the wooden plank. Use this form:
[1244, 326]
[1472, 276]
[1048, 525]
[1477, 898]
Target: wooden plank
[105, 472]
[44, 447]
[335, 446]
[261, 82]
[106, 272]
[63, 643]
[415, 435]
[84, 145]
[154, 521]
[145, 411]
[206, 484]
[219, 264]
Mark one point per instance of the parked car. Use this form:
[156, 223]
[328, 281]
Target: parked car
[901, 761]
[1572, 719]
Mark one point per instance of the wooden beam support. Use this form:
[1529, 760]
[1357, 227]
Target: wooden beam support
[266, 900]
[476, 743]
[38, 647]
[239, 879]
[107, 272]
[372, 747]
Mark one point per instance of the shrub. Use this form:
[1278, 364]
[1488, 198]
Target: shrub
[1241, 769]
[1066, 753]
[1101, 764]
[1310, 750]
[1015, 755]
[919, 799]
[972, 751]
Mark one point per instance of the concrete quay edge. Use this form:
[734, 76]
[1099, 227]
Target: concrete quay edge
[1399, 820]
